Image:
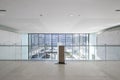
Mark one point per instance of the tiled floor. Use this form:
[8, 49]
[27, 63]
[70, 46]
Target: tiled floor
[48, 70]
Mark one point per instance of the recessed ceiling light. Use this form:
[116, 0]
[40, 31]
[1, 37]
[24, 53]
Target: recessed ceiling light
[71, 15]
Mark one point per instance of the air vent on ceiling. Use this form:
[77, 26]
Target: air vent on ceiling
[118, 10]
[41, 14]
[1, 10]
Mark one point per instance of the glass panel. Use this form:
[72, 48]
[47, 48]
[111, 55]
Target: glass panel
[41, 53]
[74, 49]
[92, 46]
[62, 39]
[84, 47]
[100, 54]
[92, 51]
[47, 47]
[38, 54]
[76, 39]
[54, 54]
[21, 55]
[41, 39]
[83, 53]
[24, 47]
[34, 40]
[11, 52]
[68, 53]
[47, 40]
[68, 40]
[112, 53]
[83, 39]
[48, 52]
[54, 40]
[50, 44]
[76, 53]
[54, 48]
[7, 52]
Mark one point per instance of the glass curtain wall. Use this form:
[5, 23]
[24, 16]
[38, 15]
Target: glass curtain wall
[44, 46]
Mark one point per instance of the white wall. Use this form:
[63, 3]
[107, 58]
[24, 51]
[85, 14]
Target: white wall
[109, 38]
[10, 52]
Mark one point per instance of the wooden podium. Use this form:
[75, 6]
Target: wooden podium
[61, 55]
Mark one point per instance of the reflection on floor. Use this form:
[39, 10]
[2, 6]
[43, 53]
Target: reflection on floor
[48, 70]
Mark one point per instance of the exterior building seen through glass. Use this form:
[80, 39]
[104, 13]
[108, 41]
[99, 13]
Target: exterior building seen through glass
[44, 46]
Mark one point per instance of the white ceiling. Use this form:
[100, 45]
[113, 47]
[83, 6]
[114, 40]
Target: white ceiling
[74, 16]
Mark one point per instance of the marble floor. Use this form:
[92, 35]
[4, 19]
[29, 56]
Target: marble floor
[48, 70]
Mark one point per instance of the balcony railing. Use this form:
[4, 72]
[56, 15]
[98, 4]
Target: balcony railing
[83, 52]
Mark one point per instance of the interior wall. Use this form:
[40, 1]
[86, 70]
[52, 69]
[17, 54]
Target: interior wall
[110, 49]
[109, 38]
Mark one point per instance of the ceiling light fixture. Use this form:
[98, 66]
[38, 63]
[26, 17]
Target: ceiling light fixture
[71, 15]
[74, 14]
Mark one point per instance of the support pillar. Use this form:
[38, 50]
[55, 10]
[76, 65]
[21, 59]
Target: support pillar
[61, 55]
